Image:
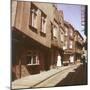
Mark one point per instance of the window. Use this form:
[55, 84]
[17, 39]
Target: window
[66, 45]
[70, 44]
[66, 31]
[29, 61]
[43, 24]
[71, 33]
[61, 20]
[55, 34]
[62, 37]
[32, 58]
[79, 38]
[34, 17]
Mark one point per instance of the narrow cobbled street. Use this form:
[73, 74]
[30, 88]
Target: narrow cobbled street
[63, 76]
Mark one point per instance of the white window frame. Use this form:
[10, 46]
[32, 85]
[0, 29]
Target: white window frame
[43, 24]
[32, 59]
[34, 17]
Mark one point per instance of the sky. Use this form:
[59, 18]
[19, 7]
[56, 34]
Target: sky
[72, 14]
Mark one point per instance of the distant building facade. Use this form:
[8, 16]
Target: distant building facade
[57, 38]
[69, 46]
[78, 46]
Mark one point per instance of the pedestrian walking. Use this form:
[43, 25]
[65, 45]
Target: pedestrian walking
[59, 61]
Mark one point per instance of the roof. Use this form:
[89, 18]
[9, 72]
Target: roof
[79, 34]
[69, 25]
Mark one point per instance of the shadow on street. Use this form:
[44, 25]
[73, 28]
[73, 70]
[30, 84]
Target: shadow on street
[79, 77]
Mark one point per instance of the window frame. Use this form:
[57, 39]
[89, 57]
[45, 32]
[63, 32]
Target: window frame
[55, 33]
[33, 17]
[66, 31]
[33, 24]
[34, 58]
[62, 37]
[43, 24]
[66, 44]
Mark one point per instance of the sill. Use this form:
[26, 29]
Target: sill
[33, 28]
[32, 64]
[42, 34]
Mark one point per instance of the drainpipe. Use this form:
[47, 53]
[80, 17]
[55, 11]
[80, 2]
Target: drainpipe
[20, 67]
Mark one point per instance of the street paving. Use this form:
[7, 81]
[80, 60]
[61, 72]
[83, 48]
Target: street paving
[79, 77]
[53, 77]
[52, 81]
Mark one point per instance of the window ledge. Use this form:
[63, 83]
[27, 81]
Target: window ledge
[32, 64]
[42, 34]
